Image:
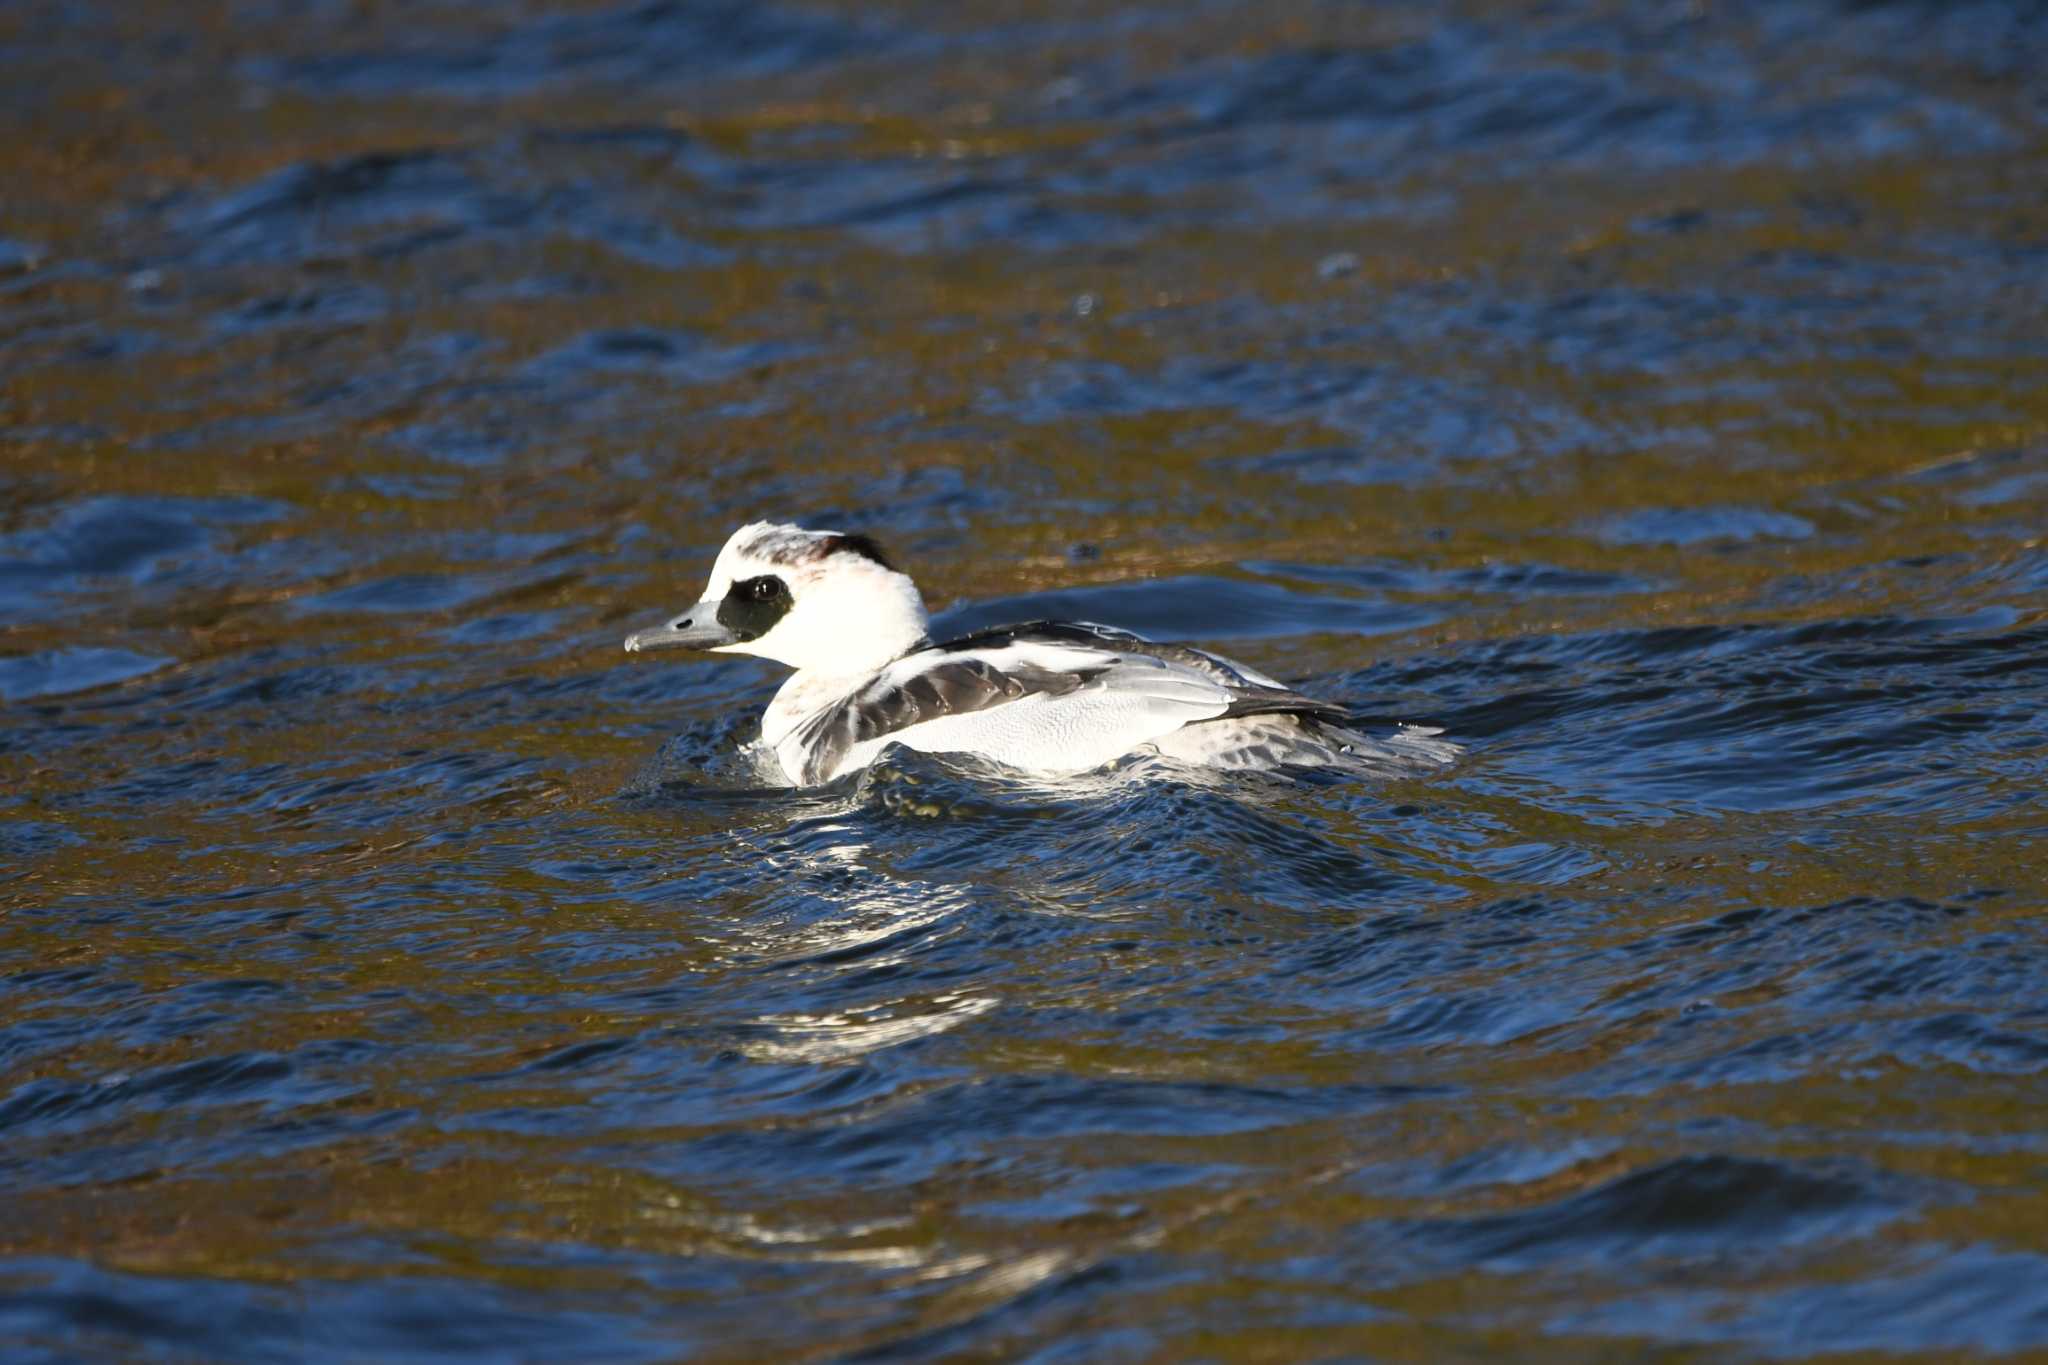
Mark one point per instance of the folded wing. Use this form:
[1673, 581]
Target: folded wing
[1049, 696]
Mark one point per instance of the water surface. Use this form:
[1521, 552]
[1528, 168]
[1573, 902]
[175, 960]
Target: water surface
[1654, 395]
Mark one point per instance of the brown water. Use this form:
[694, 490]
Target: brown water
[1654, 395]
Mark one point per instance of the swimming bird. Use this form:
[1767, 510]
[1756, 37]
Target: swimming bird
[1050, 698]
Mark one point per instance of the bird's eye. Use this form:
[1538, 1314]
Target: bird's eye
[764, 588]
[752, 606]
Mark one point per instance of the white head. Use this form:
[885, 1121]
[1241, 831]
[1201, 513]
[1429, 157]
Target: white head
[821, 601]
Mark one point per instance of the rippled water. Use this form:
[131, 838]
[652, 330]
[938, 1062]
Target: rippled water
[1654, 395]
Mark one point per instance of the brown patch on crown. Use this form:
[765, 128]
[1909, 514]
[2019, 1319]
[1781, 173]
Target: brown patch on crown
[858, 544]
[792, 548]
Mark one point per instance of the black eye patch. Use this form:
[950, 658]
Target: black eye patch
[752, 606]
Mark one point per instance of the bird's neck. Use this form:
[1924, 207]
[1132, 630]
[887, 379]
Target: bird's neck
[811, 690]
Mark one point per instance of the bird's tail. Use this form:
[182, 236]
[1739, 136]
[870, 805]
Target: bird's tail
[1409, 749]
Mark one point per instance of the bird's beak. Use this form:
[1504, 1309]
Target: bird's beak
[697, 628]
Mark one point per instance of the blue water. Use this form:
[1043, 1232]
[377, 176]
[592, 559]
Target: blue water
[1655, 396]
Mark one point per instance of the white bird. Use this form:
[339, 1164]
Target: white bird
[1049, 698]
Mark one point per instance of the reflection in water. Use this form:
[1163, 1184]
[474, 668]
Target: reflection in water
[869, 922]
[841, 1037]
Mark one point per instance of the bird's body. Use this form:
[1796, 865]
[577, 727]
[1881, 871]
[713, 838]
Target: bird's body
[1049, 698]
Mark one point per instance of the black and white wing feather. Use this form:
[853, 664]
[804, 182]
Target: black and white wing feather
[1046, 696]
